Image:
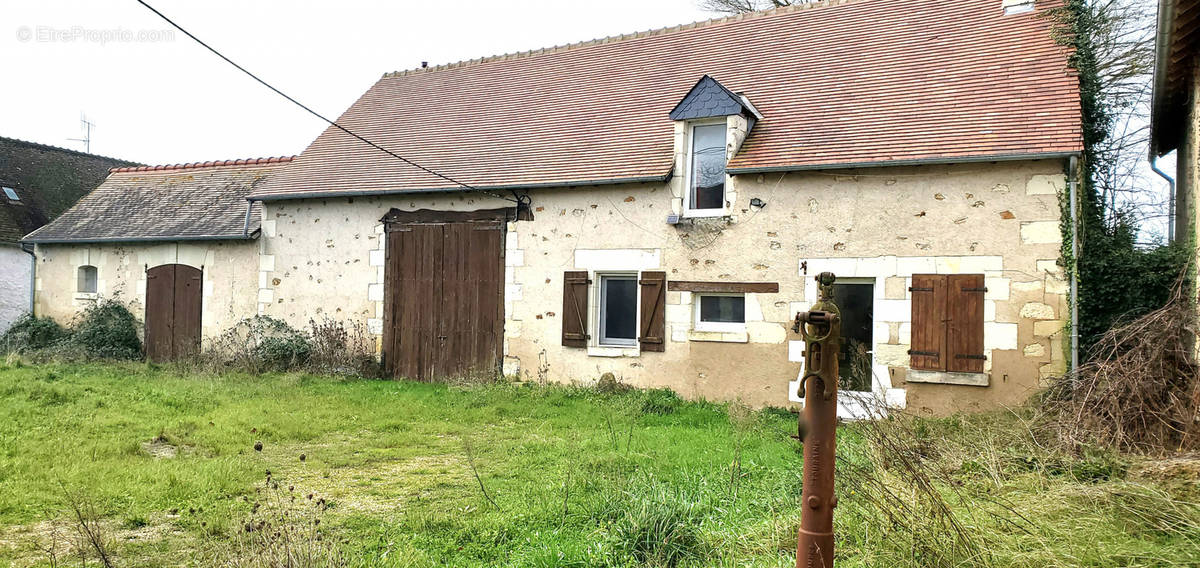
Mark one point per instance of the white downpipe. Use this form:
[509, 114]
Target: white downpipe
[1074, 189]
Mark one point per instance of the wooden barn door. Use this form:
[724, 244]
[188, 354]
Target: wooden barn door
[443, 293]
[174, 298]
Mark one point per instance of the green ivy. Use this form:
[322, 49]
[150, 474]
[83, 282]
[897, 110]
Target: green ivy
[1117, 279]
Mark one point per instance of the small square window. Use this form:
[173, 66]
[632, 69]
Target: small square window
[11, 194]
[720, 312]
[87, 280]
[618, 310]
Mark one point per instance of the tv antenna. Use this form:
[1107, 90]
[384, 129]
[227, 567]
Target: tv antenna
[87, 126]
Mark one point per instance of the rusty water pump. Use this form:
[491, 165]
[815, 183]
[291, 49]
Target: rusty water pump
[821, 329]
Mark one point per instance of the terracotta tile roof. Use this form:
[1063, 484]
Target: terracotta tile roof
[837, 83]
[199, 201]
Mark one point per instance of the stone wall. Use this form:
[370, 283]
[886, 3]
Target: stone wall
[325, 257]
[229, 278]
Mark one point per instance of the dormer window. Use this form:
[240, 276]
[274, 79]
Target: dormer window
[711, 122]
[706, 169]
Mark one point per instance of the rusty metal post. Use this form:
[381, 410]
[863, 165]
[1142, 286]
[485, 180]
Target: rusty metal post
[821, 329]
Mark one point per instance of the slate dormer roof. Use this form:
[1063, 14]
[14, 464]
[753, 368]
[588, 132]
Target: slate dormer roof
[840, 83]
[709, 98]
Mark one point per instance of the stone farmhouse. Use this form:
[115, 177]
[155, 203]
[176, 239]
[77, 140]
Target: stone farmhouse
[653, 206]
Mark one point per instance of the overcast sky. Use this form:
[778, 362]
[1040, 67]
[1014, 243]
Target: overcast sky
[158, 97]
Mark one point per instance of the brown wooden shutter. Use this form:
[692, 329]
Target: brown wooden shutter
[654, 311]
[964, 331]
[928, 351]
[575, 308]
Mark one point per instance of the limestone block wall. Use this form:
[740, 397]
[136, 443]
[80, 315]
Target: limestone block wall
[324, 257]
[999, 219]
[15, 285]
[228, 267]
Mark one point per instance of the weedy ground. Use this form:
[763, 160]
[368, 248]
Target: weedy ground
[154, 466]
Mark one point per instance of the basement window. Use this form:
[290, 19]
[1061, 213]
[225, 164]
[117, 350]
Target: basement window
[720, 312]
[87, 280]
[11, 194]
[618, 310]
[706, 170]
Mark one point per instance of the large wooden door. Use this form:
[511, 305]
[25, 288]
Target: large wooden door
[443, 293]
[174, 298]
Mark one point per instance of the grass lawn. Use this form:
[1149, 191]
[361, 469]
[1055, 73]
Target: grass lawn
[167, 462]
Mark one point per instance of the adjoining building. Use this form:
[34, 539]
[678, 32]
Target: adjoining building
[1175, 122]
[37, 183]
[176, 244]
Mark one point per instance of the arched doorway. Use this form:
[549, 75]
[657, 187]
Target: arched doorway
[174, 296]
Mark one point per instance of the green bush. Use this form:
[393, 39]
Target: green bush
[656, 525]
[660, 401]
[106, 330]
[261, 343]
[30, 333]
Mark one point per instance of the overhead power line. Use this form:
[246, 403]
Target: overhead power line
[319, 115]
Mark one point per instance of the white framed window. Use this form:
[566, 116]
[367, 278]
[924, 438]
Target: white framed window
[719, 312]
[705, 191]
[617, 314]
[11, 194]
[86, 283]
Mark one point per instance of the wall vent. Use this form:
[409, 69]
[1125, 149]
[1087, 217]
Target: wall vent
[1012, 7]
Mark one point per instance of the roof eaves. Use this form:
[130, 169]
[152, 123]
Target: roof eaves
[912, 162]
[1162, 45]
[540, 185]
[30, 238]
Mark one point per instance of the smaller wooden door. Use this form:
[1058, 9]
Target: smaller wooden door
[174, 298]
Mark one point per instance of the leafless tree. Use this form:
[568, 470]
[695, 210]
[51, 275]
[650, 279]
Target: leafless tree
[743, 6]
[1122, 37]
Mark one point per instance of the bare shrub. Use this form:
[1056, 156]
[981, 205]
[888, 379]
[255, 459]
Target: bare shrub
[1139, 393]
[894, 491]
[743, 421]
[338, 348]
[89, 527]
[282, 530]
[262, 343]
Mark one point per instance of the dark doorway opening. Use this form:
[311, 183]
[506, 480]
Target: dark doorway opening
[857, 303]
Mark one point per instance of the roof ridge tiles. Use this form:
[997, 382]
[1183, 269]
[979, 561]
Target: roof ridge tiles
[618, 38]
[208, 164]
[45, 146]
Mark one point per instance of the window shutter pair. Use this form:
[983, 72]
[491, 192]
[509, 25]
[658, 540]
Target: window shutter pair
[652, 319]
[947, 323]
